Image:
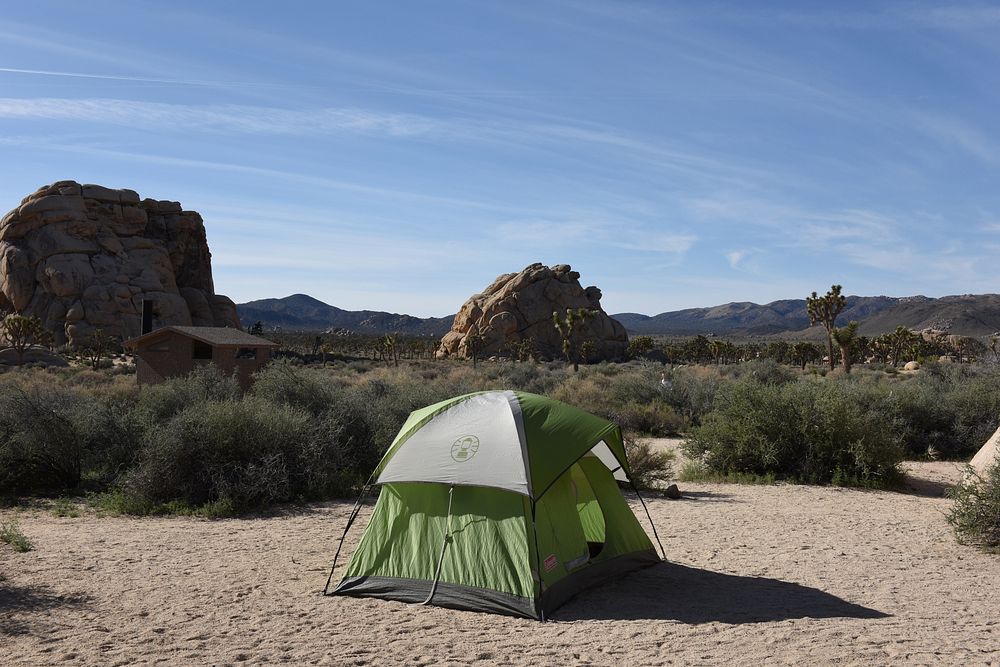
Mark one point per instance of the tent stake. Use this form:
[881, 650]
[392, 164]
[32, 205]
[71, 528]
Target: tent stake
[651, 524]
[444, 547]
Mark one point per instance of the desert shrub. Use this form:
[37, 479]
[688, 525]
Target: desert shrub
[764, 371]
[207, 383]
[235, 456]
[523, 376]
[10, 533]
[632, 398]
[607, 368]
[975, 404]
[949, 411]
[975, 515]
[372, 412]
[283, 383]
[691, 391]
[585, 392]
[804, 431]
[925, 418]
[111, 431]
[638, 385]
[650, 467]
[41, 443]
[655, 418]
[65, 508]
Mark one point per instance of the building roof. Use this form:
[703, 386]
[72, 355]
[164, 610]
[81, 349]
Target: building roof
[217, 336]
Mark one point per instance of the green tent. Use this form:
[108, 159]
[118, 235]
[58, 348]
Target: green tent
[498, 501]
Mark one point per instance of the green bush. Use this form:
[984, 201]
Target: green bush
[691, 391]
[237, 456]
[655, 418]
[42, 444]
[975, 515]
[10, 533]
[522, 376]
[112, 431]
[162, 401]
[73, 430]
[810, 432]
[650, 467]
[975, 403]
[284, 383]
[764, 371]
[631, 396]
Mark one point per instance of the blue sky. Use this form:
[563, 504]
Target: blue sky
[400, 155]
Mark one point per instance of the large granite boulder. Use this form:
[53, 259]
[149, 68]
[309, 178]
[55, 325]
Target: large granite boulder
[519, 306]
[84, 257]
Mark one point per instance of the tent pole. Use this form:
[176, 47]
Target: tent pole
[354, 515]
[652, 525]
[444, 547]
[538, 566]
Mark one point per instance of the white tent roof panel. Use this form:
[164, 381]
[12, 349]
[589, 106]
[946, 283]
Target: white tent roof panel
[476, 442]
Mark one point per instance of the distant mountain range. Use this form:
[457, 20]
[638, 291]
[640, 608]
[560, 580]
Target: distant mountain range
[300, 312]
[967, 314]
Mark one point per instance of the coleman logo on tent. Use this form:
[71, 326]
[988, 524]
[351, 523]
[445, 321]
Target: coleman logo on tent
[465, 448]
[550, 563]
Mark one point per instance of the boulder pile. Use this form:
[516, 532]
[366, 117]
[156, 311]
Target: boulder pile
[518, 307]
[84, 257]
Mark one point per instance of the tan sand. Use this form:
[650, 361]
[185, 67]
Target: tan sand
[759, 575]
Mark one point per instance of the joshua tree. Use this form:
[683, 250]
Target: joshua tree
[640, 345]
[524, 349]
[568, 326]
[824, 310]
[778, 350]
[317, 343]
[881, 348]
[846, 338]
[21, 333]
[717, 347]
[97, 346]
[587, 349]
[901, 340]
[391, 345]
[474, 344]
[803, 353]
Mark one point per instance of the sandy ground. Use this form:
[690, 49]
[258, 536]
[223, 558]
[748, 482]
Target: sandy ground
[758, 575]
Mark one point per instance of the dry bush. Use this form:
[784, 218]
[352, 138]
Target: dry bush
[975, 514]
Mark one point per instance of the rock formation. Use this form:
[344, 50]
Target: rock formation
[519, 306]
[84, 257]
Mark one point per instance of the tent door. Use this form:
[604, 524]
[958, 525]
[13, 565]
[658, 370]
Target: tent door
[589, 510]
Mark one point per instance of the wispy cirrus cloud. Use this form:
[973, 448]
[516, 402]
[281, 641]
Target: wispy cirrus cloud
[956, 133]
[811, 226]
[298, 178]
[669, 244]
[910, 246]
[218, 118]
[640, 153]
[133, 79]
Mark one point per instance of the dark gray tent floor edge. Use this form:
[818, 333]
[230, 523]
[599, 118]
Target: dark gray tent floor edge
[454, 596]
[471, 598]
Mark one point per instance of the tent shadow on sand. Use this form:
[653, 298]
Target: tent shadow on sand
[669, 591]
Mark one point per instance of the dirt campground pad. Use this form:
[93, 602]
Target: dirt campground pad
[759, 575]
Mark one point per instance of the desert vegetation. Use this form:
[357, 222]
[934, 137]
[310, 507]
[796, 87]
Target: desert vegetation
[315, 430]
[975, 516]
[11, 534]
